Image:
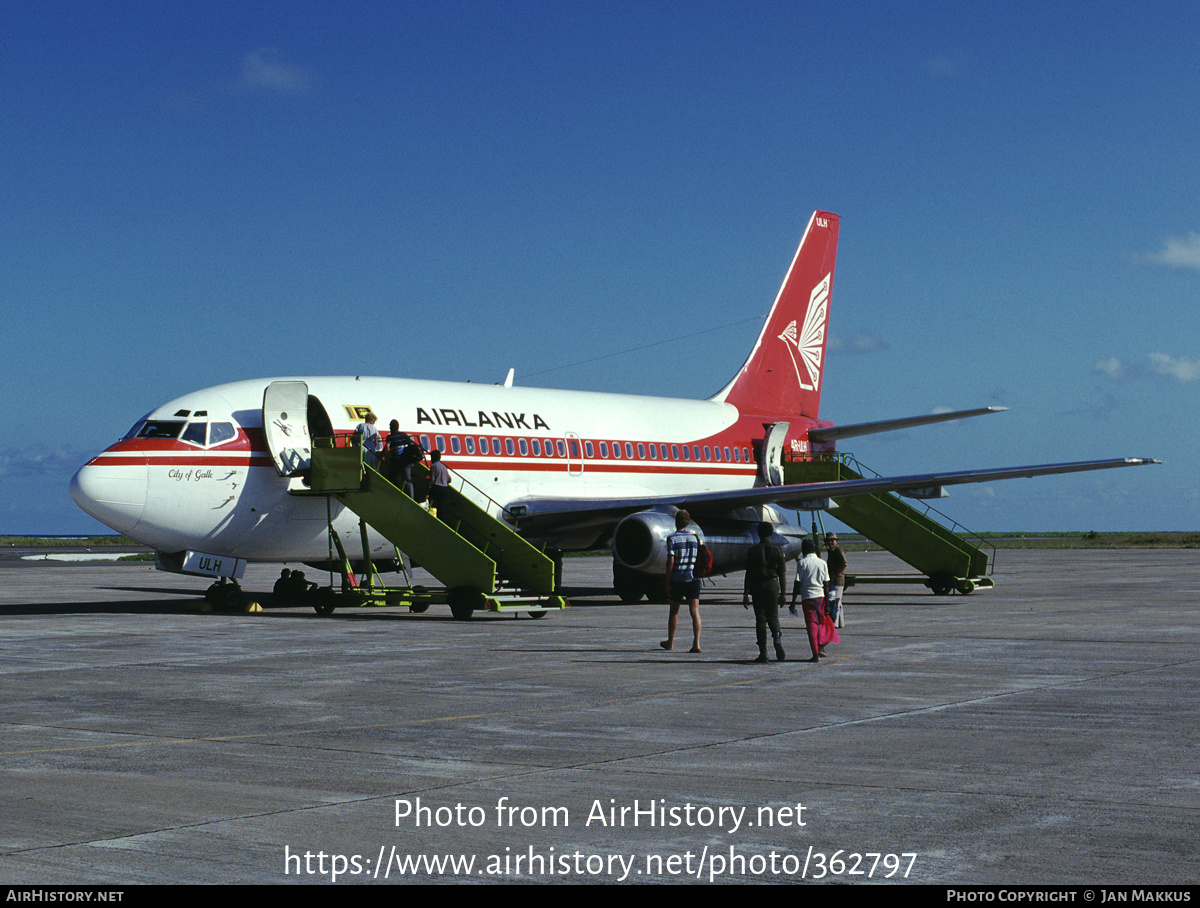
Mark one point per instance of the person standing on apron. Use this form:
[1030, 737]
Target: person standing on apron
[766, 580]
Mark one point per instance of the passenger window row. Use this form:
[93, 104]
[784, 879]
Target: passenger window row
[557, 447]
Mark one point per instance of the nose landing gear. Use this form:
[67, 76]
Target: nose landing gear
[225, 594]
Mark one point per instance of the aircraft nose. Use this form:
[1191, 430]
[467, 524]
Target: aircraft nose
[113, 494]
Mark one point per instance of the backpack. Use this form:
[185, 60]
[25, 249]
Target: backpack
[704, 562]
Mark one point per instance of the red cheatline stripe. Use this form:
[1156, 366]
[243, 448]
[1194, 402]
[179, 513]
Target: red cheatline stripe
[460, 466]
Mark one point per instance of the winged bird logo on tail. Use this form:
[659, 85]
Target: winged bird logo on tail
[799, 318]
[808, 345]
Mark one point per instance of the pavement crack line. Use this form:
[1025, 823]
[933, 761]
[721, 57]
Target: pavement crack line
[269, 737]
[540, 770]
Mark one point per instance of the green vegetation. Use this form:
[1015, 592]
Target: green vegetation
[1089, 540]
[45, 541]
[1093, 540]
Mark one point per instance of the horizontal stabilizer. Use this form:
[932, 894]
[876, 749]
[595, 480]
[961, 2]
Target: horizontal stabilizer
[834, 433]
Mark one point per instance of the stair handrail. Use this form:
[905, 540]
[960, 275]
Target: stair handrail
[347, 439]
[849, 460]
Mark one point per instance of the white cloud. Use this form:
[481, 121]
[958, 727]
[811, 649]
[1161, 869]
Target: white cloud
[1178, 369]
[1179, 252]
[264, 71]
[38, 462]
[863, 342]
[1112, 367]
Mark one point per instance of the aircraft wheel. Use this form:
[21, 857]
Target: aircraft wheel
[539, 613]
[656, 589]
[224, 595]
[324, 601]
[463, 602]
[629, 585]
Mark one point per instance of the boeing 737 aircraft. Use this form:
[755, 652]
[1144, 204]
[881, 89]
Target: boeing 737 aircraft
[207, 479]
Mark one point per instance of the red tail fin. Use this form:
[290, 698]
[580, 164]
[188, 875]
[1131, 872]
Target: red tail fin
[783, 374]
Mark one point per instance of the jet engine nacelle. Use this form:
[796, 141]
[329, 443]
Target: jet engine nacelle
[640, 541]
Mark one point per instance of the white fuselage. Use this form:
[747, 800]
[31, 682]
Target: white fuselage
[197, 473]
[210, 472]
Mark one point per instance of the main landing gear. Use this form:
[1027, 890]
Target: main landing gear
[631, 585]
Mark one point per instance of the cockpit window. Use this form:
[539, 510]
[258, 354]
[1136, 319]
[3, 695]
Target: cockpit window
[195, 432]
[220, 432]
[160, 428]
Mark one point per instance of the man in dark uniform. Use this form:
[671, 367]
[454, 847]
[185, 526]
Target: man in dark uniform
[837, 579]
[766, 580]
[401, 454]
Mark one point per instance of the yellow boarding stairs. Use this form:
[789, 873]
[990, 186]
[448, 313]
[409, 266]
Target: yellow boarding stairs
[481, 561]
[947, 561]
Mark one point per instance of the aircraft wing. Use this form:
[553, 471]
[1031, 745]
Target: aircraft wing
[855, 430]
[538, 516]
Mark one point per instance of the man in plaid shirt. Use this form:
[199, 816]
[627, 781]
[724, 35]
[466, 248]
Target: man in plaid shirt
[683, 546]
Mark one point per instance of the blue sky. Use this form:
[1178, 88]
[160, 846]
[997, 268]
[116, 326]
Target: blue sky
[195, 193]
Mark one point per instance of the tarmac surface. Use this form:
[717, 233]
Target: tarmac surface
[1044, 732]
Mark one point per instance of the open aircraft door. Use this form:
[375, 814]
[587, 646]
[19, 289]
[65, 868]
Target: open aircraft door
[285, 422]
[772, 465]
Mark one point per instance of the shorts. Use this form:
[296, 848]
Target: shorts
[685, 590]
